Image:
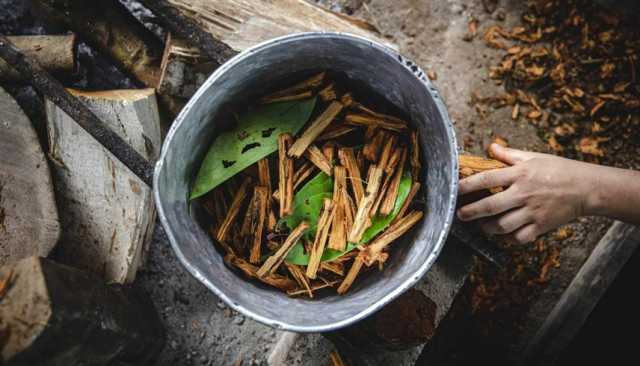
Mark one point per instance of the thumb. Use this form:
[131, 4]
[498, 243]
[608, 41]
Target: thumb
[509, 155]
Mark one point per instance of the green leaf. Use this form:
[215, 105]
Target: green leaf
[378, 224]
[307, 203]
[254, 137]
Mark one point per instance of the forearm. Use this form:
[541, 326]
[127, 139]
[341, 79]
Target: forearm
[615, 193]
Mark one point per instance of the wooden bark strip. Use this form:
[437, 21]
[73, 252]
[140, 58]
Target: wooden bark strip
[313, 288]
[57, 314]
[351, 275]
[273, 262]
[241, 24]
[294, 92]
[285, 176]
[328, 93]
[390, 195]
[261, 197]
[314, 130]
[348, 160]
[372, 251]
[333, 133]
[322, 232]
[371, 149]
[367, 120]
[469, 165]
[298, 275]
[183, 68]
[334, 267]
[387, 152]
[415, 187]
[329, 150]
[264, 178]
[56, 54]
[101, 201]
[234, 210]
[415, 155]
[281, 282]
[362, 219]
[29, 223]
[338, 239]
[315, 155]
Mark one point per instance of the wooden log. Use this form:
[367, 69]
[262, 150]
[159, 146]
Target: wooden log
[53, 90]
[110, 28]
[55, 53]
[240, 24]
[183, 68]
[53, 314]
[107, 212]
[28, 215]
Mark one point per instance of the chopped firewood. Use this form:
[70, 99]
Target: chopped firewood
[336, 360]
[234, 209]
[370, 120]
[315, 129]
[322, 233]
[333, 267]
[272, 279]
[299, 277]
[350, 209]
[348, 160]
[315, 155]
[469, 165]
[415, 155]
[313, 288]
[273, 262]
[264, 177]
[338, 239]
[260, 203]
[285, 174]
[415, 187]
[351, 275]
[301, 88]
[328, 93]
[335, 132]
[392, 192]
[362, 220]
[371, 149]
[386, 117]
[371, 252]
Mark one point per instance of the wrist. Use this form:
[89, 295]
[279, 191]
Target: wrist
[595, 197]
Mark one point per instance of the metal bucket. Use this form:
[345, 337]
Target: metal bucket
[397, 79]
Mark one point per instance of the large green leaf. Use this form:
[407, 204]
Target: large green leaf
[378, 224]
[254, 137]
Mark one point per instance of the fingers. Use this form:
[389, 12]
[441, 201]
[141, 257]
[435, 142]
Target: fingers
[509, 155]
[507, 223]
[492, 205]
[488, 179]
[524, 235]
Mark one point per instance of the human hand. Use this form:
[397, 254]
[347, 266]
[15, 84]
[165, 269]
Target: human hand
[544, 191]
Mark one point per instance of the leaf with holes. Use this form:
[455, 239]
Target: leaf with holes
[254, 137]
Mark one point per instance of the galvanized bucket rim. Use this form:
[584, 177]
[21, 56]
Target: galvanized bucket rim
[372, 308]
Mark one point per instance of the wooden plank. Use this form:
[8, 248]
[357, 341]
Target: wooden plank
[58, 315]
[28, 215]
[107, 212]
[241, 24]
[581, 296]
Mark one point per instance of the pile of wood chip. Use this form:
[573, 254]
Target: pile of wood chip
[570, 68]
[273, 230]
